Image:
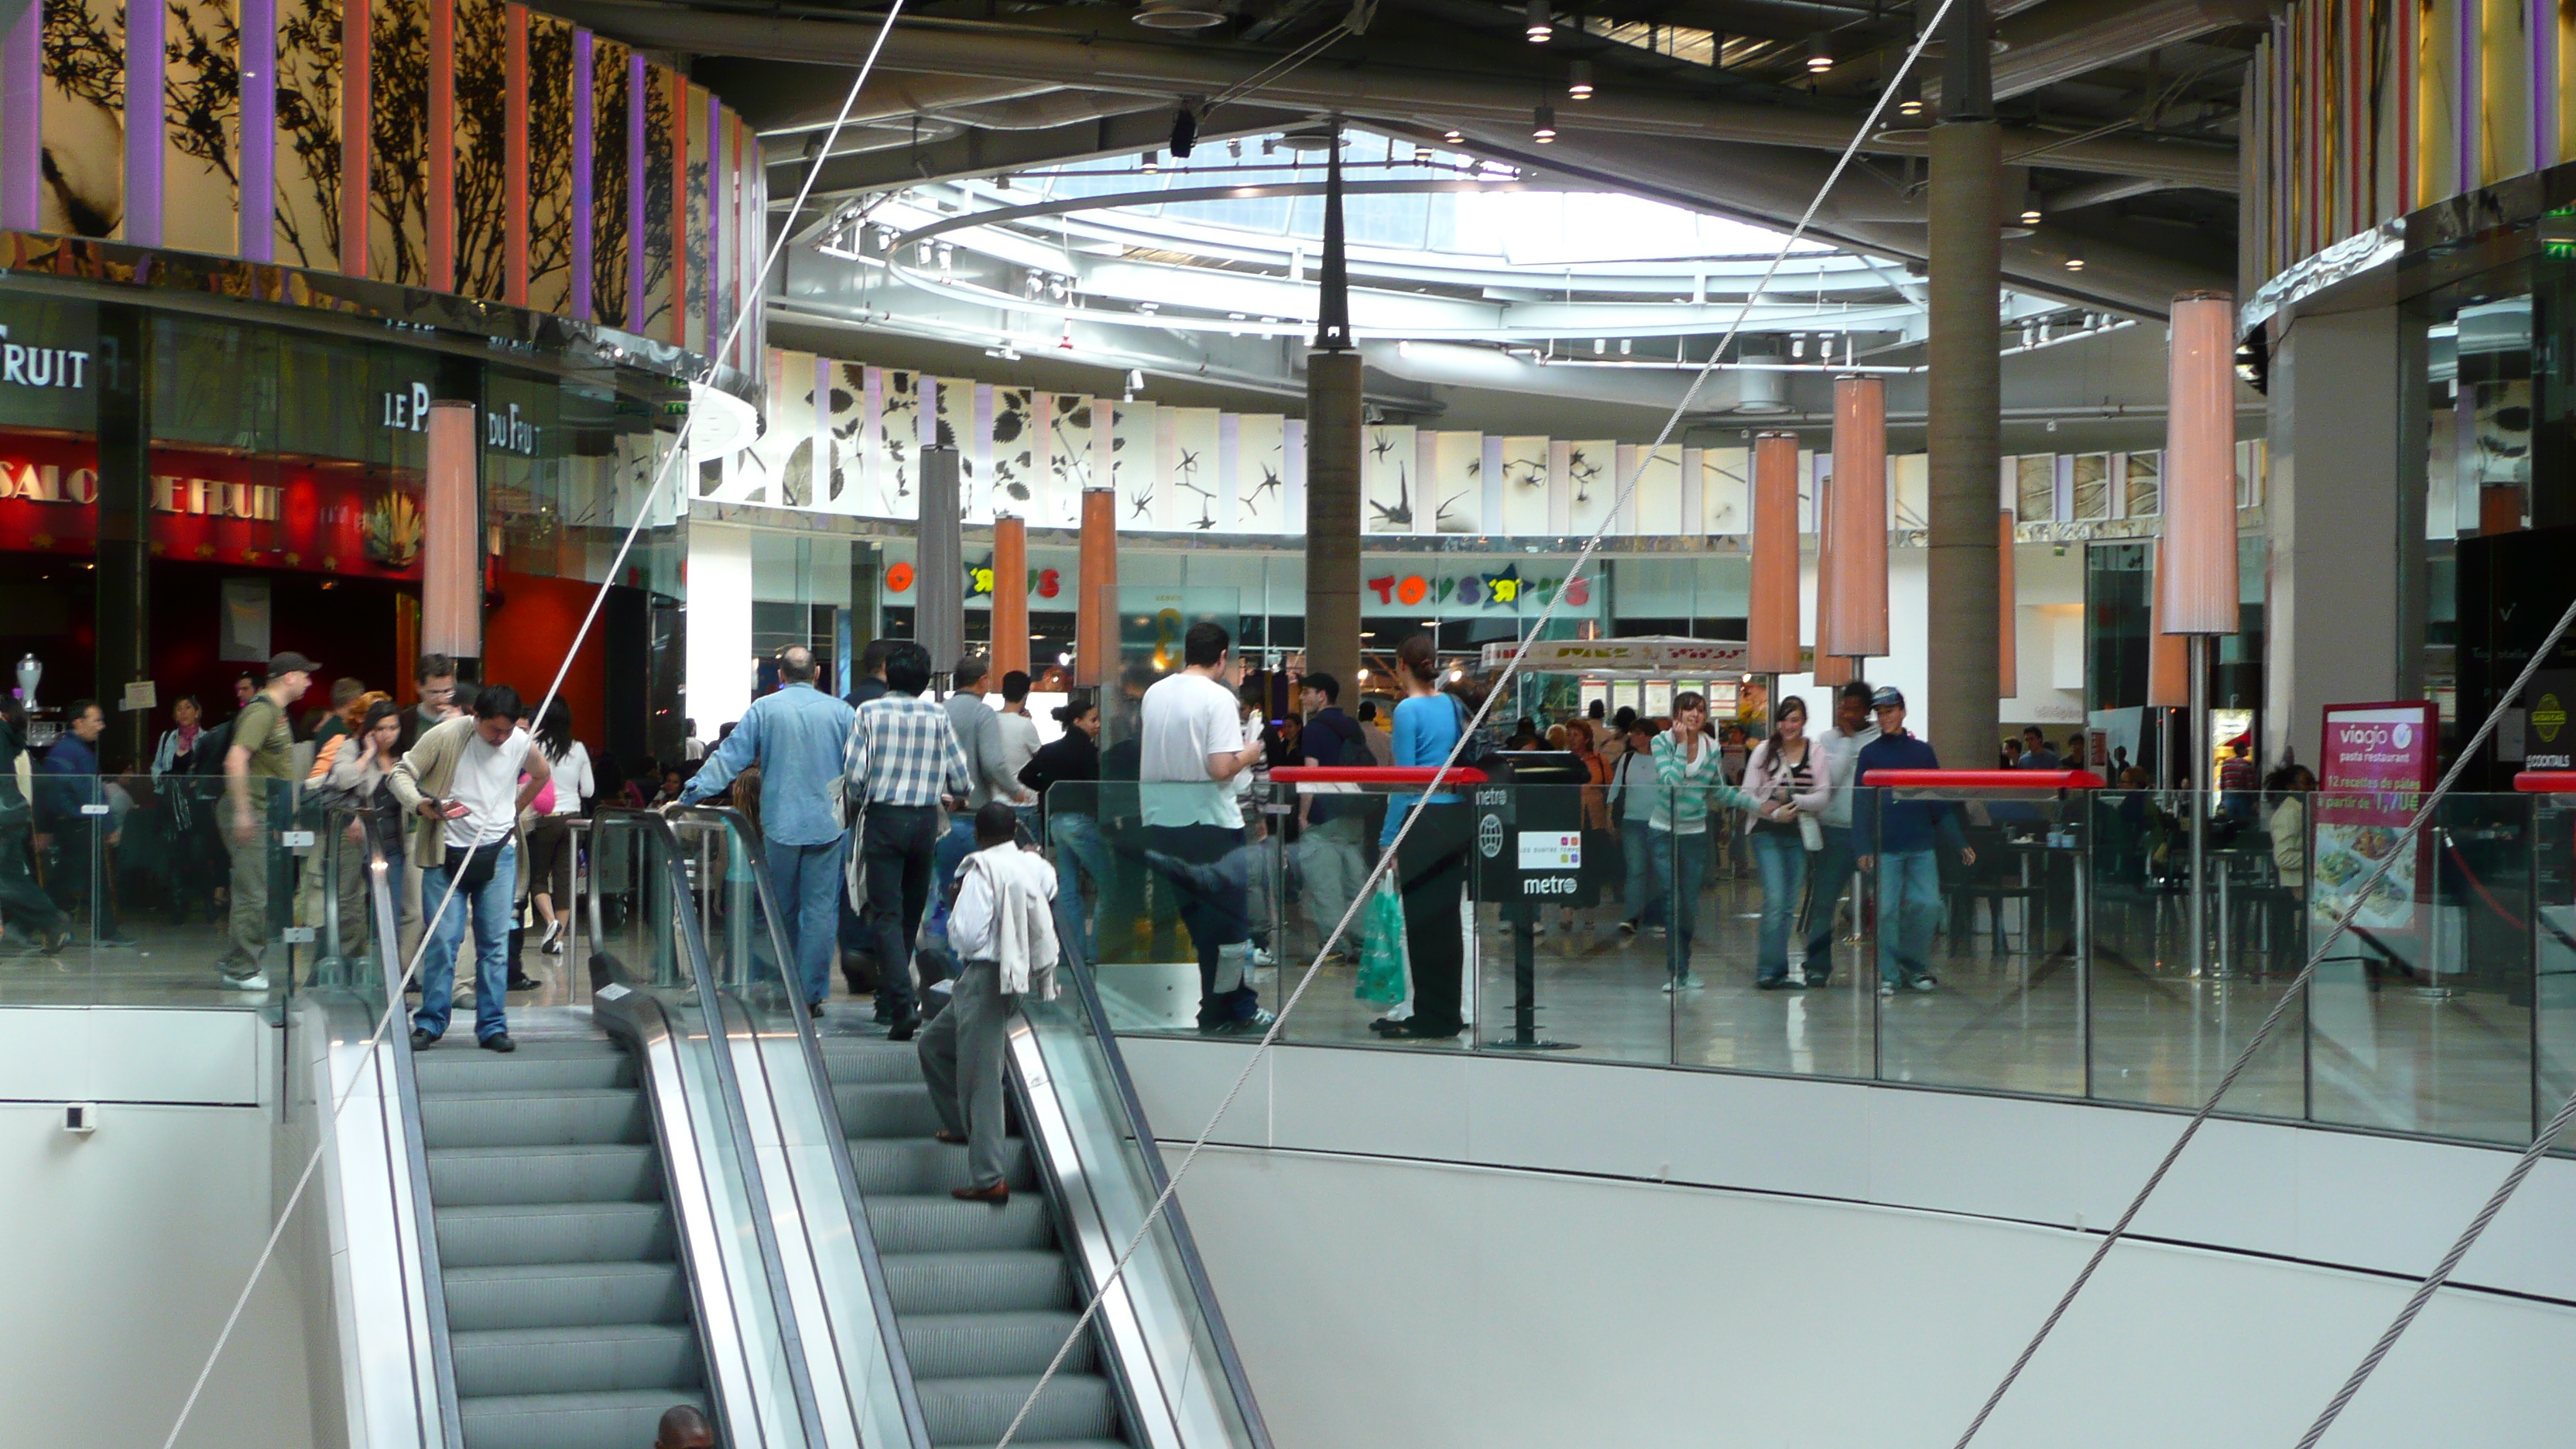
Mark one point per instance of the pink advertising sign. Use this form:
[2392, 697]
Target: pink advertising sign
[2376, 769]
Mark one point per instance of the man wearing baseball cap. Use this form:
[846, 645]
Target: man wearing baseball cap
[1895, 839]
[263, 749]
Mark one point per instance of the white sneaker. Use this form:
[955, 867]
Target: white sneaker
[1260, 957]
[1887, 988]
[1690, 982]
[248, 983]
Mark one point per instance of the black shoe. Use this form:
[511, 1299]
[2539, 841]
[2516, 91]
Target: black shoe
[903, 1030]
[421, 1040]
[814, 1009]
[1769, 983]
[1416, 1030]
[499, 1043]
[1389, 1026]
[526, 983]
[1816, 980]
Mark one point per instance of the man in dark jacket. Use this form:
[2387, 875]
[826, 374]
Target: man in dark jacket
[23, 903]
[1895, 839]
[1332, 853]
[68, 791]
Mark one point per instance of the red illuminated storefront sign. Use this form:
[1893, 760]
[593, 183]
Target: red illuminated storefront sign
[335, 518]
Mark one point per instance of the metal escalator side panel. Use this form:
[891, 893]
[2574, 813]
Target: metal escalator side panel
[845, 1301]
[748, 1326]
[1165, 1346]
[427, 1281]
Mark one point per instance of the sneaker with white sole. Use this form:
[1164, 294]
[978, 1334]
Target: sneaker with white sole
[1924, 983]
[257, 982]
[1689, 981]
[1887, 988]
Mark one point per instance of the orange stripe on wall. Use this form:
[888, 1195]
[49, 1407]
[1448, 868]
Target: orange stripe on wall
[514, 162]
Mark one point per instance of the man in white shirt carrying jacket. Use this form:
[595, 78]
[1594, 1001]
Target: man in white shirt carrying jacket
[1003, 931]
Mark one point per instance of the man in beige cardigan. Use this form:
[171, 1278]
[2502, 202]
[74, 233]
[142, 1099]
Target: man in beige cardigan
[464, 780]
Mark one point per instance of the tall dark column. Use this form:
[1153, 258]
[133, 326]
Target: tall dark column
[1965, 397]
[124, 530]
[1333, 461]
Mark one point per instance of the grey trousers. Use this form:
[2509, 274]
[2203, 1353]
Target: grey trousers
[961, 1059]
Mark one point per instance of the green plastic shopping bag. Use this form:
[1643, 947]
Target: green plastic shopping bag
[1382, 954]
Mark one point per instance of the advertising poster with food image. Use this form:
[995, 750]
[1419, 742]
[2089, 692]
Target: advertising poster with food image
[2377, 768]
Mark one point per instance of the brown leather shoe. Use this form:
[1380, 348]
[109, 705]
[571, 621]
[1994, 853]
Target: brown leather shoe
[998, 1194]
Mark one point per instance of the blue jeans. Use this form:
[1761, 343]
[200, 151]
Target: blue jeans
[954, 847]
[1681, 865]
[1781, 857]
[1909, 908]
[1079, 852]
[1828, 871]
[1642, 898]
[807, 882]
[490, 904]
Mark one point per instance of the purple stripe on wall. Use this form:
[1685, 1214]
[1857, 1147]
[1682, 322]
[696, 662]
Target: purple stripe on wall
[22, 112]
[258, 168]
[583, 100]
[2544, 83]
[635, 112]
[144, 28]
[716, 269]
[2464, 40]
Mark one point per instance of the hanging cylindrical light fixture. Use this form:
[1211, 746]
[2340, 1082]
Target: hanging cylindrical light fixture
[1543, 123]
[1541, 24]
[2199, 585]
[1833, 665]
[1578, 80]
[1858, 604]
[451, 572]
[2007, 620]
[1010, 593]
[1771, 628]
[1820, 55]
[2168, 677]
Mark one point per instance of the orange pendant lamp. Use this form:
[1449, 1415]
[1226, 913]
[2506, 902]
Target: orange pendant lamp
[1854, 611]
[1771, 628]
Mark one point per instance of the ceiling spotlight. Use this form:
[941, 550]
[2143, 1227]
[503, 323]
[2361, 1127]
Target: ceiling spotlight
[1453, 136]
[2074, 257]
[1185, 133]
[1179, 14]
[1234, 149]
[2030, 207]
[1154, 159]
[1797, 344]
[1909, 102]
[1820, 56]
[1543, 123]
[1541, 25]
[1578, 80]
[1601, 346]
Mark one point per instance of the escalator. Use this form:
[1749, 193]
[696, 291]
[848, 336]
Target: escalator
[683, 1194]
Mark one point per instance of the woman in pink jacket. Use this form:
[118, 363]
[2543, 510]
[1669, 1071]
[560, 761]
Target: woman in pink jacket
[1785, 783]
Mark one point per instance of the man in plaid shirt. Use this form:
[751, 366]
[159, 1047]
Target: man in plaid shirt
[901, 763]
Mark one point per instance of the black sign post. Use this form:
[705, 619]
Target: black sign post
[1529, 856]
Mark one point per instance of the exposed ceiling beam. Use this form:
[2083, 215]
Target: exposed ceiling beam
[2064, 39]
[1359, 89]
[981, 152]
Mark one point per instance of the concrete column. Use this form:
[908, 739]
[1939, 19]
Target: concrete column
[940, 589]
[124, 531]
[2343, 494]
[1010, 595]
[1095, 619]
[1333, 423]
[1333, 517]
[1964, 396]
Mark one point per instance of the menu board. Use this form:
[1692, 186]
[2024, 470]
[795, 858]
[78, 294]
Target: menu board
[1595, 692]
[1659, 698]
[2376, 770]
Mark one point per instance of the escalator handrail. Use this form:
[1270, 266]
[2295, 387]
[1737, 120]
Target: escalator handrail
[442, 1356]
[693, 959]
[1184, 1245]
[880, 1298]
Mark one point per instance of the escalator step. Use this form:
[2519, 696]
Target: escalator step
[894, 1166]
[565, 1295]
[938, 1223]
[535, 1066]
[494, 1176]
[978, 1410]
[531, 1233]
[845, 1060]
[620, 1420]
[885, 1109]
[977, 1282]
[536, 1118]
[955, 1345]
[607, 1358]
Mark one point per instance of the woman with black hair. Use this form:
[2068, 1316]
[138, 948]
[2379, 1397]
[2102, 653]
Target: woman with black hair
[1431, 860]
[550, 847]
[1072, 817]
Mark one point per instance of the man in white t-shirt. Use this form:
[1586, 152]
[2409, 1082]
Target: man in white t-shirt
[1020, 742]
[1193, 743]
[465, 780]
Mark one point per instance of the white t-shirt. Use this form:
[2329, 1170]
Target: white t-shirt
[573, 780]
[1188, 717]
[1019, 739]
[487, 782]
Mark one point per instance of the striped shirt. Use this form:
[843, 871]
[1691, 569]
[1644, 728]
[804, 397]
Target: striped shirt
[1683, 789]
[902, 752]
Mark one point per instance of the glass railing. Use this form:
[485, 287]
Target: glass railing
[2057, 961]
[181, 891]
[828, 1254]
[655, 986]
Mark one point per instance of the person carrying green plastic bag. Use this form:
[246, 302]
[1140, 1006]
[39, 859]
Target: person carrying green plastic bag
[1382, 976]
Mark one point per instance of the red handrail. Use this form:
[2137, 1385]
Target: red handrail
[2546, 782]
[1984, 779]
[1372, 775]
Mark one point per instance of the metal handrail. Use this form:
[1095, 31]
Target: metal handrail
[880, 1297]
[1185, 1246]
[693, 959]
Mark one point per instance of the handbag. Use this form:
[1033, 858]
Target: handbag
[1811, 833]
[1382, 965]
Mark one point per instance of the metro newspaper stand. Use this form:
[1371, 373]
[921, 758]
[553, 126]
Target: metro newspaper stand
[1526, 851]
[2050, 806]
